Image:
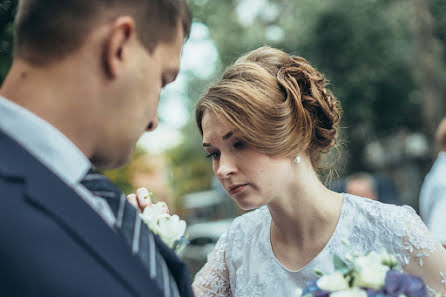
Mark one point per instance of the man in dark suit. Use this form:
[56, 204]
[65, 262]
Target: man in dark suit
[84, 85]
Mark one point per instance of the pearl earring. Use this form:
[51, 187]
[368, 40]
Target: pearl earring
[298, 159]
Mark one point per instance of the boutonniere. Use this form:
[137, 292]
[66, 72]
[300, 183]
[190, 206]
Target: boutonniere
[170, 228]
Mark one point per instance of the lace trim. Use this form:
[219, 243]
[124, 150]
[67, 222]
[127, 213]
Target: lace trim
[417, 242]
[213, 280]
[430, 292]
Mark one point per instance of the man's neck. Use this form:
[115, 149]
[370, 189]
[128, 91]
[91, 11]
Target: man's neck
[55, 95]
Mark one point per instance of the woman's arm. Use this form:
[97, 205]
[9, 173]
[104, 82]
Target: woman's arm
[213, 279]
[425, 256]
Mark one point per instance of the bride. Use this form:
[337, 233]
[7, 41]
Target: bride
[266, 125]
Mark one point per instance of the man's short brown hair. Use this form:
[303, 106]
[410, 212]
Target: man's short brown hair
[47, 30]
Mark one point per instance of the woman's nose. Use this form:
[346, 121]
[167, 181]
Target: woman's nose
[226, 167]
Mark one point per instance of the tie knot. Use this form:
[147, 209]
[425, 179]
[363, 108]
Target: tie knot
[100, 185]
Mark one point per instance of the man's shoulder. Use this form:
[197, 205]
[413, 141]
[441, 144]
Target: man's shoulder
[12, 156]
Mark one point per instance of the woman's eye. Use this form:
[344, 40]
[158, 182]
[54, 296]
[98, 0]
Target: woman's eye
[213, 155]
[239, 144]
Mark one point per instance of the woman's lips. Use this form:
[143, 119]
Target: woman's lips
[236, 189]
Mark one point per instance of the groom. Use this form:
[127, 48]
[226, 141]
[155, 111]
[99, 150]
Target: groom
[84, 85]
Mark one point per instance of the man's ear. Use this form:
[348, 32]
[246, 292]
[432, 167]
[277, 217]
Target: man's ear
[117, 44]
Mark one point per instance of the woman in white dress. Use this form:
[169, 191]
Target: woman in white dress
[266, 125]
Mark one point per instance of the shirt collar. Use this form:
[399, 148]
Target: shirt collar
[43, 141]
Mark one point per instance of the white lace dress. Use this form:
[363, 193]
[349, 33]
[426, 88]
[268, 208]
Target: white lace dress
[243, 264]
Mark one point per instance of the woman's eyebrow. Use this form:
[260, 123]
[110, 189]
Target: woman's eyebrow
[227, 135]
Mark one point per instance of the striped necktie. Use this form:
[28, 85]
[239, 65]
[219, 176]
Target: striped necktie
[135, 232]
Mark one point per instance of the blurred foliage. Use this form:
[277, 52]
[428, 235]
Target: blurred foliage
[438, 9]
[365, 48]
[189, 170]
[122, 177]
[7, 12]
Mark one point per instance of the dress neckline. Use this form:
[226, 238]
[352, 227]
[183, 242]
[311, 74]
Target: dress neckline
[323, 251]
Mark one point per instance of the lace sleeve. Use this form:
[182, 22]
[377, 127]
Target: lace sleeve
[213, 279]
[424, 256]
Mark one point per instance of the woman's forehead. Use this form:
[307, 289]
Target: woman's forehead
[215, 127]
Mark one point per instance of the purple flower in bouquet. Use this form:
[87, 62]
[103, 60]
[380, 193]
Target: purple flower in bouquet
[398, 283]
[376, 293]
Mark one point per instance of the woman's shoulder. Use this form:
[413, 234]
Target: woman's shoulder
[375, 215]
[380, 212]
[393, 227]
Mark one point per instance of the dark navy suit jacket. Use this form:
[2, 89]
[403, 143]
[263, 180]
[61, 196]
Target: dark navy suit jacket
[53, 244]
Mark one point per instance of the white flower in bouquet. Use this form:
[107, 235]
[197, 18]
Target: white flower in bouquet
[333, 282]
[353, 292]
[370, 271]
[298, 292]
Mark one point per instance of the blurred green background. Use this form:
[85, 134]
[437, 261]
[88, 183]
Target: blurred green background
[384, 60]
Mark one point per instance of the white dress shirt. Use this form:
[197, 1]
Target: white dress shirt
[433, 198]
[53, 149]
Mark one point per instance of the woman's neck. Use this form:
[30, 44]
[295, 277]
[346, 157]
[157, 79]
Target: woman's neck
[304, 219]
[306, 211]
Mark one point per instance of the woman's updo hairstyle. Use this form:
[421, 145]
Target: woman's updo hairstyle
[277, 103]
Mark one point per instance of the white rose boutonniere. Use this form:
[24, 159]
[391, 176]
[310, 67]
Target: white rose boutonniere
[156, 216]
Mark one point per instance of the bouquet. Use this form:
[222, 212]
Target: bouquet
[156, 216]
[372, 275]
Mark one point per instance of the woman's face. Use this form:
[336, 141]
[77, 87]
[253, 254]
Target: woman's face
[251, 178]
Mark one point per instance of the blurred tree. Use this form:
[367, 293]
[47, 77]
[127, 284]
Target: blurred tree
[365, 48]
[429, 63]
[7, 12]
[123, 177]
[189, 170]
[384, 59]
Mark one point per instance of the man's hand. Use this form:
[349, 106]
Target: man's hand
[140, 200]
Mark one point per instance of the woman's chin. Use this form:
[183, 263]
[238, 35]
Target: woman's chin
[247, 200]
[248, 205]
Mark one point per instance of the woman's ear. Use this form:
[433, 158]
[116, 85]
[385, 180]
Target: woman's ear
[117, 44]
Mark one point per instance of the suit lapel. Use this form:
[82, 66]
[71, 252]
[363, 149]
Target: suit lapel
[177, 268]
[45, 190]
